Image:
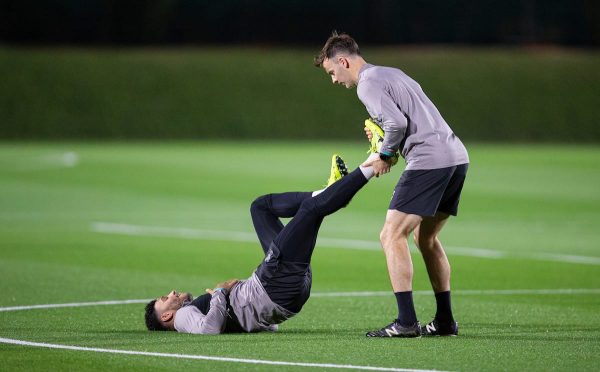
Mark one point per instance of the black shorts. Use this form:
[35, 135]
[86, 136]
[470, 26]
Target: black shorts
[427, 191]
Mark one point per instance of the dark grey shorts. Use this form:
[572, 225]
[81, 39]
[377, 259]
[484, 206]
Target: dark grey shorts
[425, 192]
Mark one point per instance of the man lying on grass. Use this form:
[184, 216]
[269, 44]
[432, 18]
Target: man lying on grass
[280, 285]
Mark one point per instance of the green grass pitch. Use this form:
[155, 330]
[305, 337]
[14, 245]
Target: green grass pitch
[528, 221]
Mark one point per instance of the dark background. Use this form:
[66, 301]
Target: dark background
[511, 70]
[296, 22]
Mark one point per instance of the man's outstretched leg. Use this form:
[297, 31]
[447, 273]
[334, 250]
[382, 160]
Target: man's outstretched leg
[285, 272]
[267, 209]
[301, 232]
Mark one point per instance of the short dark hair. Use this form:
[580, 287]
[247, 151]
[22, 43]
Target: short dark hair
[152, 321]
[337, 43]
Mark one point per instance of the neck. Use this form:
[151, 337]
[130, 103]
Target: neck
[357, 64]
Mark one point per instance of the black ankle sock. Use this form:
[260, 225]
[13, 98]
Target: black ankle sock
[444, 309]
[406, 308]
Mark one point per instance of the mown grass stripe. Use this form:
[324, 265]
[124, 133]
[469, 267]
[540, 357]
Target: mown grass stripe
[240, 236]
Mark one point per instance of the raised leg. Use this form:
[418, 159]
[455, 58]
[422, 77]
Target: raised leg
[266, 211]
[297, 239]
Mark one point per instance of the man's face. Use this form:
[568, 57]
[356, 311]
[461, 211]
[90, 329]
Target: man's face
[337, 68]
[171, 301]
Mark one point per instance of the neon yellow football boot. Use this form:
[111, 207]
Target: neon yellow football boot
[377, 140]
[338, 169]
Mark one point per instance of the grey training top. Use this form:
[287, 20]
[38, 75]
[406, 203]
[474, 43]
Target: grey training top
[250, 302]
[412, 124]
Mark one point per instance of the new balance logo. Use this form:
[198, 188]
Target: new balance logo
[430, 327]
[397, 330]
[392, 331]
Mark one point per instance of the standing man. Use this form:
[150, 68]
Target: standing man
[429, 189]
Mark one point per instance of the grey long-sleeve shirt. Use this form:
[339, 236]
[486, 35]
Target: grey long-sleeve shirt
[411, 122]
[250, 302]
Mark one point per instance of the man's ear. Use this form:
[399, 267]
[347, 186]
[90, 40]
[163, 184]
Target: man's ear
[343, 61]
[167, 315]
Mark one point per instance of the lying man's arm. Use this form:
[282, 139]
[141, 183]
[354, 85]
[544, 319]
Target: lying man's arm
[191, 320]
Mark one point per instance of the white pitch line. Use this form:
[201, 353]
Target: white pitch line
[239, 236]
[466, 292]
[566, 258]
[459, 292]
[558, 291]
[68, 159]
[206, 357]
[72, 304]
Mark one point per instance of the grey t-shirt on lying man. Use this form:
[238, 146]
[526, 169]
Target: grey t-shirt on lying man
[250, 310]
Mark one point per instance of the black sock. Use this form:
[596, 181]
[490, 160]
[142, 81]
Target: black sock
[406, 308]
[444, 309]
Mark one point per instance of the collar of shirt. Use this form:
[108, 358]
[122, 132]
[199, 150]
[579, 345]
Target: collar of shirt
[362, 69]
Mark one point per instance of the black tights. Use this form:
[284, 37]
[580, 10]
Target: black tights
[296, 241]
[285, 272]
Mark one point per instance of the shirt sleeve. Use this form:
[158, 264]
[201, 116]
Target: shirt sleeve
[214, 322]
[385, 111]
[191, 320]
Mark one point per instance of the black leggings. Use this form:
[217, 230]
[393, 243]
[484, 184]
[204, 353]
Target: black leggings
[285, 273]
